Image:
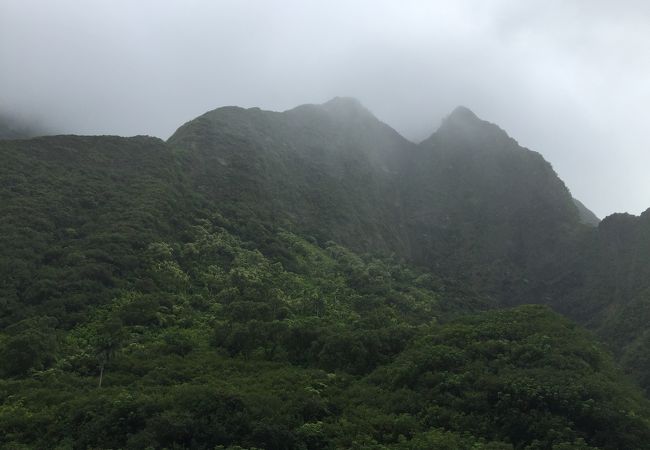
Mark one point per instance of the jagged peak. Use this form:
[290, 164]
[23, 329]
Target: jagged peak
[464, 119]
[463, 124]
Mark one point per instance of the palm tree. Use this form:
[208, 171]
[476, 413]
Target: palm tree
[110, 336]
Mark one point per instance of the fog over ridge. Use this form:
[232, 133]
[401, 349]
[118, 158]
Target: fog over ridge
[567, 79]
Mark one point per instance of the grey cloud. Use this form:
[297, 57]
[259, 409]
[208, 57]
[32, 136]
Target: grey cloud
[570, 79]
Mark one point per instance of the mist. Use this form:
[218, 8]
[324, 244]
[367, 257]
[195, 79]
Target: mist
[570, 80]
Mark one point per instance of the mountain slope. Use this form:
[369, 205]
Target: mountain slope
[458, 202]
[609, 290]
[483, 207]
[468, 203]
[208, 342]
[74, 210]
[310, 279]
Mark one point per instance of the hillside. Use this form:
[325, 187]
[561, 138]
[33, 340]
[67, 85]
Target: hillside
[309, 279]
[75, 210]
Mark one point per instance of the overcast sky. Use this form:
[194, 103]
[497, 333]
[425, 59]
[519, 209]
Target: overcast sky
[569, 79]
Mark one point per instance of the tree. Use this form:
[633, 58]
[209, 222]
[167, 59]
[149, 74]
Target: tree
[31, 345]
[109, 339]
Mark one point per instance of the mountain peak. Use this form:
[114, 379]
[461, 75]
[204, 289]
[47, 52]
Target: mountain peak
[347, 106]
[465, 126]
[462, 113]
[464, 120]
[343, 102]
[341, 109]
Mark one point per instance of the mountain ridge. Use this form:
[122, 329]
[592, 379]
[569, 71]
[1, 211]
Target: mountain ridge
[468, 202]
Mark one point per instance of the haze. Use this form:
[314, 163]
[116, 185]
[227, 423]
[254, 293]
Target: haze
[570, 80]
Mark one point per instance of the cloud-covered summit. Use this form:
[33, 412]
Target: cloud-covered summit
[567, 79]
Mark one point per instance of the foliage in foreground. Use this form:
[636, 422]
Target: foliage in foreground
[308, 347]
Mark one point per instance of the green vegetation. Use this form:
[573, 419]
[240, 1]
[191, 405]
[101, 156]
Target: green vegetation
[311, 280]
[228, 347]
[613, 293]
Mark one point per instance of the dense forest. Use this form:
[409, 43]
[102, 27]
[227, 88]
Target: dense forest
[312, 280]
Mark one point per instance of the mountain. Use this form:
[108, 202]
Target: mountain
[311, 279]
[322, 169]
[495, 213]
[481, 207]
